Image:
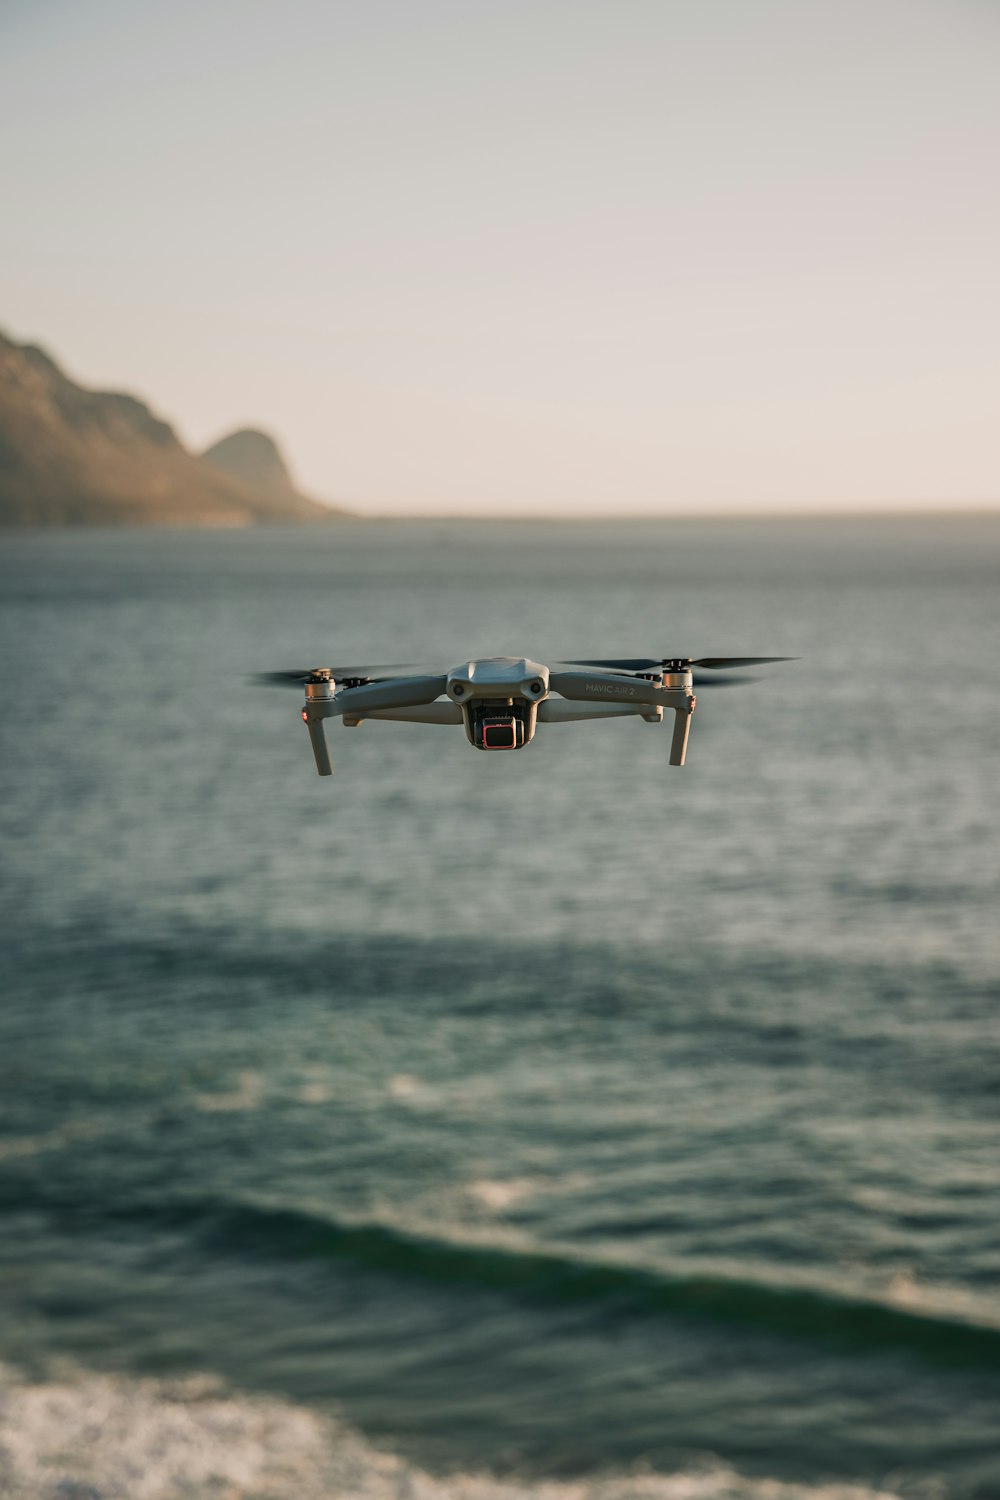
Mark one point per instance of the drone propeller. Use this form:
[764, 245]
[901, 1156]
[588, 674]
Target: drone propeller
[724, 680]
[717, 680]
[680, 663]
[720, 663]
[297, 676]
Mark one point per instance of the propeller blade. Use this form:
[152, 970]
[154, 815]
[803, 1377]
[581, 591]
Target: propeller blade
[281, 679]
[656, 664]
[296, 676]
[625, 664]
[719, 663]
[399, 692]
[719, 681]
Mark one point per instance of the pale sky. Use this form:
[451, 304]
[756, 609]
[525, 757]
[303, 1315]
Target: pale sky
[526, 256]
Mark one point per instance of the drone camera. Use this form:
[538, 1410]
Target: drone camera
[506, 733]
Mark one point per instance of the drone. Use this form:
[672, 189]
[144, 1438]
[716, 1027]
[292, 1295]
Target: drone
[501, 700]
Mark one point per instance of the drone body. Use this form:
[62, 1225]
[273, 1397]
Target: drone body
[501, 700]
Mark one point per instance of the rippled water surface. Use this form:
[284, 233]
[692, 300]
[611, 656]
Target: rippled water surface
[539, 1115]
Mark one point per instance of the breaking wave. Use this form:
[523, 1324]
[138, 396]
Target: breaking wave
[96, 1437]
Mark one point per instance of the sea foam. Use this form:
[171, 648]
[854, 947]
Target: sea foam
[90, 1436]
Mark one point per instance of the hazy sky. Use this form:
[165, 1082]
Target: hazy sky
[526, 255]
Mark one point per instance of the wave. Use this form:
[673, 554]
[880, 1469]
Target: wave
[92, 1434]
[857, 1325]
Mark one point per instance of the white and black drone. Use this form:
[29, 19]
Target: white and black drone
[502, 699]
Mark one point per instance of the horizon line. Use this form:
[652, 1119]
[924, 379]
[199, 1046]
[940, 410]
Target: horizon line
[943, 511]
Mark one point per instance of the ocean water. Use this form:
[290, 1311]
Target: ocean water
[553, 1124]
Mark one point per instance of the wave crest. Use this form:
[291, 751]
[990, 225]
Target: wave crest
[96, 1437]
[856, 1324]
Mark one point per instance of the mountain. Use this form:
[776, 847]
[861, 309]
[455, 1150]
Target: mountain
[255, 459]
[76, 457]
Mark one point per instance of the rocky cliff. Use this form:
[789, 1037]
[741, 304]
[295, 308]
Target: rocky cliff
[255, 459]
[75, 457]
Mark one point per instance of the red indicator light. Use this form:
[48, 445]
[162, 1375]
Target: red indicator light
[305, 717]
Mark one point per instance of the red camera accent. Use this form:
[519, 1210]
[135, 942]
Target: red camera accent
[500, 735]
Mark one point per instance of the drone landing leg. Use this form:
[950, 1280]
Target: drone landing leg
[682, 728]
[317, 738]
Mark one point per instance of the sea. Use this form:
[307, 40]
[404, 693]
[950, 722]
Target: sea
[557, 1125]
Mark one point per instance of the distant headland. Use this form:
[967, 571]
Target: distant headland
[76, 457]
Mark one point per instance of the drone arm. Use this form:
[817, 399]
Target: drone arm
[400, 692]
[322, 702]
[601, 687]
